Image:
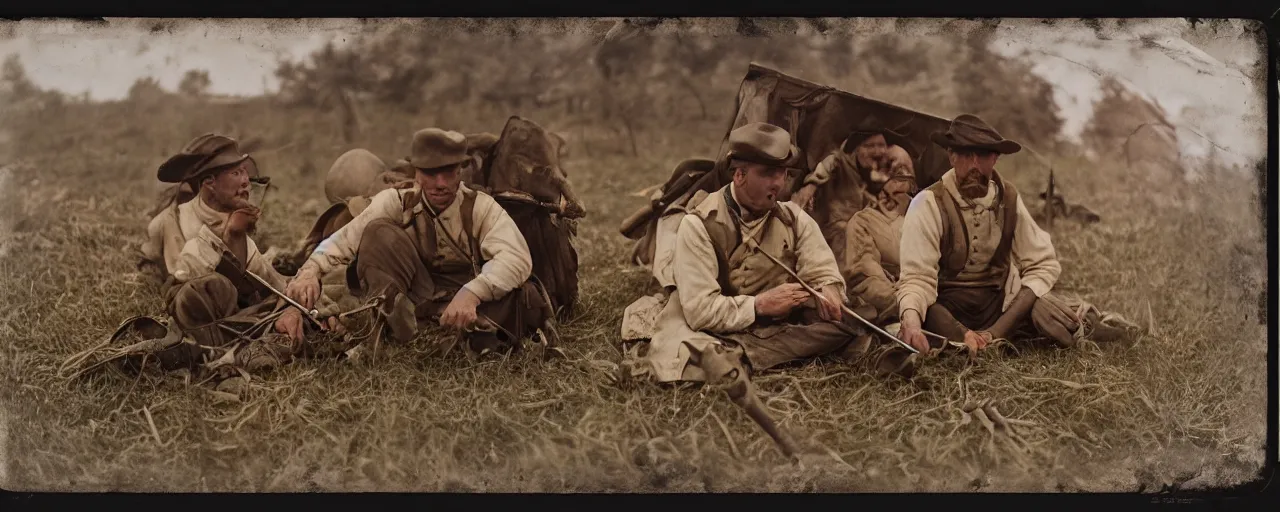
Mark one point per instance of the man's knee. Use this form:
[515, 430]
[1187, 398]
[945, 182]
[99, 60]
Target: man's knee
[865, 311]
[529, 299]
[1054, 318]
[381, 235]
[203, 300]
[386, 256]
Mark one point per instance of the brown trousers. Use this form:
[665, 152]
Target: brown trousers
[978, 308]
[802, 335]
[197, 306]
[388, 264]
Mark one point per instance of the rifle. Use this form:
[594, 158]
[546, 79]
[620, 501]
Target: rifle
[847, 311]
[751, 241]
[309, 314]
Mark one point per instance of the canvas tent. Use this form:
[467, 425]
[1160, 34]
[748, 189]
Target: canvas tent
[819, 119]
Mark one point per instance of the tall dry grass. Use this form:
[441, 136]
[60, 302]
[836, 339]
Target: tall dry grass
[1182, 408]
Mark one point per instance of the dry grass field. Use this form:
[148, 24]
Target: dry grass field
[1181, 408]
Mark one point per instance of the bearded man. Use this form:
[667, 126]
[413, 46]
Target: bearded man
[210, 280]
[975, 266]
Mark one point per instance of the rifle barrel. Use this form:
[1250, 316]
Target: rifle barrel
[310, 314]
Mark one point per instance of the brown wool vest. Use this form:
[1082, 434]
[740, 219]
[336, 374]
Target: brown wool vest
[954, 243]
[743, 270]
[422, 230]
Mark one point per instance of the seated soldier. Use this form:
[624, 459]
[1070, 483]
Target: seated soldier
[172, 223]
[209, 272]
[358, 175]
[975, 266]
[178, 218]
[728, 290]
[871, 250]
[435, 249]
[848, 180]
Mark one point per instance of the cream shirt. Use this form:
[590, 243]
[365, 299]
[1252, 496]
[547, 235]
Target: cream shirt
[201, 254]
[872, 238]
[170, 230]
[1034, 261]
[698, 306]
[508, 262]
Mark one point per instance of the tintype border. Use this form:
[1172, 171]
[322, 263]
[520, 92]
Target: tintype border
[1261, 494]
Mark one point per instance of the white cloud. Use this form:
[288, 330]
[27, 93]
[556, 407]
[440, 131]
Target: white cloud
[105, 59]
[1205, 97]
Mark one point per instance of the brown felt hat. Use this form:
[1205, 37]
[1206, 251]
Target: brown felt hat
[202, 156]
[434, 148]
[761, 143]
[870, 126]
[968, 131]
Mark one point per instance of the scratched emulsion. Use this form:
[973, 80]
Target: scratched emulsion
[1157, 125]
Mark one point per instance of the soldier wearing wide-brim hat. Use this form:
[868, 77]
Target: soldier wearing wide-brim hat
[437, 249]
[208, 250]
[975, 266]
[201, 159]
[729, 291]
[210, 168]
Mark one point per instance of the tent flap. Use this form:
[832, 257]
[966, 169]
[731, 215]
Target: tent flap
[820, 117]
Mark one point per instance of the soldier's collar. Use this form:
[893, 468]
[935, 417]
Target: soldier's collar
[431, 211]
[739, 212]
[207, 215]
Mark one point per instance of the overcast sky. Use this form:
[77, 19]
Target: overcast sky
[1200, 70]
[1197, 75]
[105, 59]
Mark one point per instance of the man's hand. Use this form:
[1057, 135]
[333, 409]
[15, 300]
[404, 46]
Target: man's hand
[290, 323]
[335, 325]
[804, 197]
[239, 222]
[780, 300]
[236, 232]
[829, 304]
[304, 288]
[977, 339]
[911, 333]
[461, 311]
